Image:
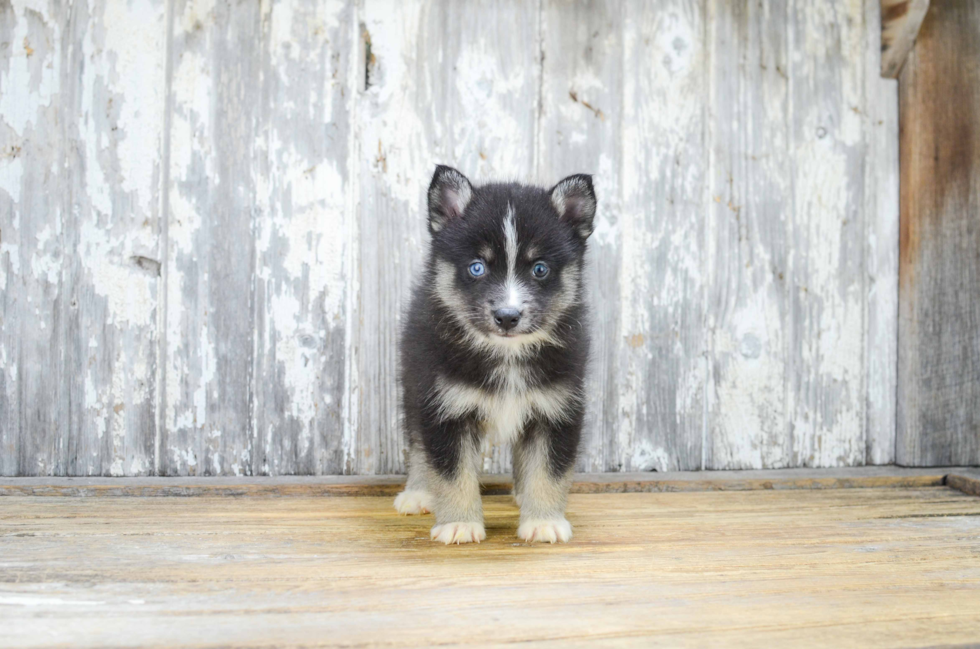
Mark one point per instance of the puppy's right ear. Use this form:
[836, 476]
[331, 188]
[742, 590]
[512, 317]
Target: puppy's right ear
[449, 194]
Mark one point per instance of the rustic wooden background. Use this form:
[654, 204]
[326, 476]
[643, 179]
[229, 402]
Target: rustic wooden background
[939, 296]
[211, 213]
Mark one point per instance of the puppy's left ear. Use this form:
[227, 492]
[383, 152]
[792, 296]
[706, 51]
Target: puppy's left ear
[574, 199]
[449, 194]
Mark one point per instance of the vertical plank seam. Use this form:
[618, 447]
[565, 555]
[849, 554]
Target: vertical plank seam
[865, 245]
[254, 215]
[67, 288]
[614, 454]
[899, 451]
[791, 259]
[870, 218]
[707, 141]
[612, 447]
[870, 204]
[539, 113]
[606, 435]
[351, 395]
[164, 234]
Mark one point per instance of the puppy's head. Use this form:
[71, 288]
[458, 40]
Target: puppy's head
[508, 258]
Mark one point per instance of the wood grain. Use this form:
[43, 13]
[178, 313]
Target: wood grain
[448, 84]
[797, 308]
[660, 346]
[966, 481]
[752, 381]
[646, 482]
[81, 124]
[881, 211]
[580, 130]
[34, 403]
[900, 23]
[206, 275]
[302, 233]
[213, 197]
[827, 276]
[939, 298]
[847, 568]
[256, 311]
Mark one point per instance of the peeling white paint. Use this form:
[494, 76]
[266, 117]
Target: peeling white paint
[487, 123]
[129, 292]
[313, 231]
[647, 457]
[93, 403]
[184, 457]
[36, 72]
[197, 15]
[11, 174]
[207, 366]
[606, 231]
[787, 356]
[46, 260]
[300, 364]
[750, 388]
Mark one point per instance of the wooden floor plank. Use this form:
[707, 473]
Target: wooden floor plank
[340, 485]
[967, 481]
[875, 567]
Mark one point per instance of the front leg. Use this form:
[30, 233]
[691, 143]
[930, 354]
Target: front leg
[453, 457]
[415, 499]
[543, 461]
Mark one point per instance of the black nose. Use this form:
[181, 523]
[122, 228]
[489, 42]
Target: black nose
[507, 318]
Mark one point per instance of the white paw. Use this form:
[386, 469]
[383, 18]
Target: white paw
[545, 531]
[413, 502]
[458, 533]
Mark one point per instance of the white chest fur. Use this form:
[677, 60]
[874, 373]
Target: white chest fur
[506, 415]
[508, 408]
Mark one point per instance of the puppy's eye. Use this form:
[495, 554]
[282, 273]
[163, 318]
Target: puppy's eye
[540, 269]
[477, 269]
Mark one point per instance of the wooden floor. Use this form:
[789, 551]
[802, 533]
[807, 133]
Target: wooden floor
[896, 567]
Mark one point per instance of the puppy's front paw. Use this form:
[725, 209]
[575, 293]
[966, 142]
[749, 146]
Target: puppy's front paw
[458, 533]
[413, 502]
[545, 531]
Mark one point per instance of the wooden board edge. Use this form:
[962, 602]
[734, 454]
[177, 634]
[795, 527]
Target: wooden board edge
[760, 484]
[389, 486]
[900, 23]
[968, 484]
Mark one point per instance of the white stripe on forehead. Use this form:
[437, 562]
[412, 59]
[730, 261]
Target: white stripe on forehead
[510, 237]
[514, 297]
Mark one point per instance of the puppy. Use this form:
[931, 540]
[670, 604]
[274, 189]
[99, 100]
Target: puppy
[495, 344]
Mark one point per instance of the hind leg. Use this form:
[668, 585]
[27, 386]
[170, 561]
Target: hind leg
[416, 499]
[542, 480]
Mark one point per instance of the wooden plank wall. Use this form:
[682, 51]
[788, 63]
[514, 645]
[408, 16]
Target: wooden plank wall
[82, 123]
[939, 325]
[211, 214]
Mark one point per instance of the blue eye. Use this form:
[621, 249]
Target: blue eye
[540, 269]
[477, 268]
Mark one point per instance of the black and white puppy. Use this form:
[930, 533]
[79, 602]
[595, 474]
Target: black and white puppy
[495, 344]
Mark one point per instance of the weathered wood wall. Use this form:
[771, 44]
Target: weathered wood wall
[939, 327]
[211, 214]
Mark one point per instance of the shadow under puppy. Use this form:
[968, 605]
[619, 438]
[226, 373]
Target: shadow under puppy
[496, 344]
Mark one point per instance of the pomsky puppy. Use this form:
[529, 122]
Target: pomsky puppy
[496, 344]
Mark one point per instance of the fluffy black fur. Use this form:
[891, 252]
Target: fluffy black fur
[442, 338]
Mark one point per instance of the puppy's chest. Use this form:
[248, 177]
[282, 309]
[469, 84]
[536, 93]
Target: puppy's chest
[507, 406]
[505, 413]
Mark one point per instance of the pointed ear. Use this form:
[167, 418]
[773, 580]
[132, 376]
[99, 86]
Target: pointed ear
[574, 199]
[449, 194]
